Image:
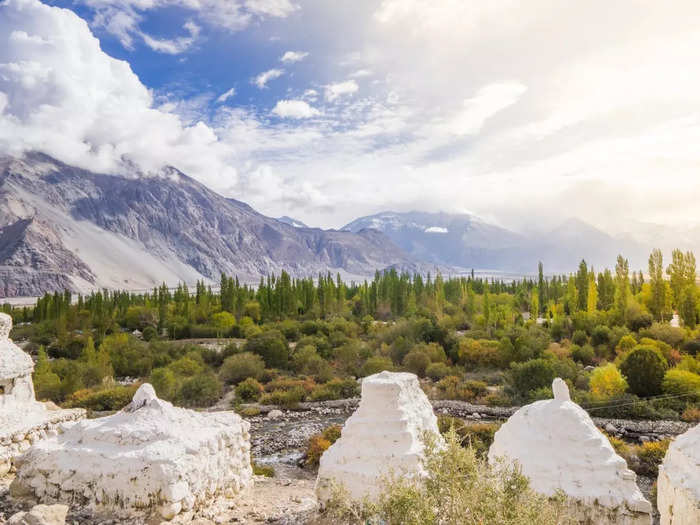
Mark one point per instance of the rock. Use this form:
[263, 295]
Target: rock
[275, 414]
[149, 458]
[678, 494]
[384, 434]
[41, 515]
[559, 448]
[610, 428]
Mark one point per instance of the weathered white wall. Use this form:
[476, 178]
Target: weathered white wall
[383, 435]
[559, 448]
[678, 488]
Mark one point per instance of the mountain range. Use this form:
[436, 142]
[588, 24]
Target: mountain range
[463, 241]
[62, 227]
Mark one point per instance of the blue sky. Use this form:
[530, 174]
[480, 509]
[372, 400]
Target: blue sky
[522, 113]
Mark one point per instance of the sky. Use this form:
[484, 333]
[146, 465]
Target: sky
[524, 113]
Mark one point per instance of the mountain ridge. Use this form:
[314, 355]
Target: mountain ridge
[91, 230]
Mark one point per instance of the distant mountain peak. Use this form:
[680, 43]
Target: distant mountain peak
[291, 221]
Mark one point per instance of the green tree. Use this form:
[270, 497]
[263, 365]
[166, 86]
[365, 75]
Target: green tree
[657, 302]
[622, 287]
[224, 322]
[238, 367]
[644, 368]
[688, 307]
[271, 346]
[582, 286]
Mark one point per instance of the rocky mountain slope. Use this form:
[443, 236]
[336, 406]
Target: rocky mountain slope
[462, 240]
[64, 227]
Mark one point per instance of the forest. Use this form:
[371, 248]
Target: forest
[626, 342]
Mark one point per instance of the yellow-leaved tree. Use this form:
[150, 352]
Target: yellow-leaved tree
[607, 382]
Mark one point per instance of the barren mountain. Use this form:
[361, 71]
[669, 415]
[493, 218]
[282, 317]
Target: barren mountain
[65, 227]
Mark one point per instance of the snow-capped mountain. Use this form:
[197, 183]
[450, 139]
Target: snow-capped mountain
[292, 222]
[465, 241]
[64, 227]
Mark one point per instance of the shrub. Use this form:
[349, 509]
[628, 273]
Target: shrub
[650, 457]
[530, 375]
[479, 436]
[579, 338]
[319, 443]
[692, 347]
[644, 369]
[691, 415]
[625, 344]
[249, 390]
[284, 398]
[262, 470]
[242, 366]
[437, 371]
[601, 335]
[129, 356]
[249, 411]
[682, 382]
[376, 364]
[149, 333]
[271, 346]
[202, 390]
[458, 487]
[583, 354]
[416, 362]
[164, 382]
[607, 382]
[113, 398]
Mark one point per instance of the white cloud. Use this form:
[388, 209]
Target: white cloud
[293, 56]
[436, 229]
[361, 73]
[263, 78]
[311, 94]
[122, 17]
[297, 109]
[226, 95]
[339, 89]
[174, 46]
[488, 101]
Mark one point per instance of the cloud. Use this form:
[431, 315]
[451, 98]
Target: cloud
[339, 89]
[226, 95]
[293, 56]
[263, 78]
[122, 17]
[361, 73]
[174, 46]
[296, 109]
[488, 101]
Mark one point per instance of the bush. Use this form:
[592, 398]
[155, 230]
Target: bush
[249, 411]
[650, 457]
[437, 371]
[691, 415]
[164, 382]
[458, 487]
[262, 470]
[107, 399]
[579, 338]
[601, 335]
[335, 389]
[149, 333]
[682, 382]
[692, 347]
[607, 382]
[271, 346]
[242, 366]
[319, 443]
[530, 375]
[479, 436]
[284, 398]
[202, 390]
[249, 390]
[376, 364]
[416, 362]
[644, 369]
[583, 354]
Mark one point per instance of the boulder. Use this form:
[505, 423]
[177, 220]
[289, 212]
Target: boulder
[678, 494]
[149, 458]
[558, 447]
[383, 436]
[41, 515]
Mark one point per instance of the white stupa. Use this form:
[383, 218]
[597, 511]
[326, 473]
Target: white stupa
[149, 458]
[678, 496]
[559, 448]
[383, 436]
[23, 420]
